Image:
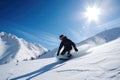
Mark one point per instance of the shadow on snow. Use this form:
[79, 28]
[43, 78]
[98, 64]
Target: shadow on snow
[40, 71]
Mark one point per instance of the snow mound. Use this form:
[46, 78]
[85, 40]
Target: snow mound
[14, 48]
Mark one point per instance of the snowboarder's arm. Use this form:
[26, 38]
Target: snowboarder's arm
[61, 45]
[73, 44]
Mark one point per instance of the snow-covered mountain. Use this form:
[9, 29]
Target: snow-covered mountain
[17, 49]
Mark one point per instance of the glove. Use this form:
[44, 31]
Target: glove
[76, 49]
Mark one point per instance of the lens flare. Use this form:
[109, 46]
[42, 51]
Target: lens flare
[92, 13]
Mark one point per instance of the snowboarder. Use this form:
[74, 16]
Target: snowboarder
[67, 43]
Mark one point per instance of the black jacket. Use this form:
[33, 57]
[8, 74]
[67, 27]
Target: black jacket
[67, 43]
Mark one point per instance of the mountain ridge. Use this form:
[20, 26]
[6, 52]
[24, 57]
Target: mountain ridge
[18, 49]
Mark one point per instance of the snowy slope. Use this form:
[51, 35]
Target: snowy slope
[17, 49]
[102, 63]
[93, 62]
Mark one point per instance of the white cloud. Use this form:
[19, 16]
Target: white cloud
[111, 24]
[41, 37]
[49, 38]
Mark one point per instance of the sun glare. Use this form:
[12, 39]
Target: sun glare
[92, 13]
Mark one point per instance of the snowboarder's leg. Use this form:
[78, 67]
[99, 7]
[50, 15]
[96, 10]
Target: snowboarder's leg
[63, 52]
[68, 54]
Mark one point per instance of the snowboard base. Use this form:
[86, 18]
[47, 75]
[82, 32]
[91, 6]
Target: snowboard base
[64, 57]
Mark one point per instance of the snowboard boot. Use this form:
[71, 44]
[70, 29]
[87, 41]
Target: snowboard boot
[69, 55]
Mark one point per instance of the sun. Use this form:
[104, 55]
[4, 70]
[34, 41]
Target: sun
[92, 13]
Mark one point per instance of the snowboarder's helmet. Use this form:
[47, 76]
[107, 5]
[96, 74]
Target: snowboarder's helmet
[61, 36]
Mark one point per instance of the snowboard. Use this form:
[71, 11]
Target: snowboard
[64, 57]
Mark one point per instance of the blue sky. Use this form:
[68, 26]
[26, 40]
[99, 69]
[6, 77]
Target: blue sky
[42, 21]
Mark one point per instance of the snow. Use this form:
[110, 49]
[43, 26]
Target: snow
[98, 59]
